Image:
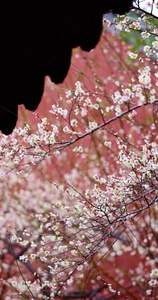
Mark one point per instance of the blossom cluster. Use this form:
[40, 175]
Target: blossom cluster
[79, 195]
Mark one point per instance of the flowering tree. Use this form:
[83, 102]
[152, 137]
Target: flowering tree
[79, 179]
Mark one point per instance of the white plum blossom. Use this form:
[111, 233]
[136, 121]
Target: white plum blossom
[145, 76]
[154, 274]
[145, 34]
[133, 55]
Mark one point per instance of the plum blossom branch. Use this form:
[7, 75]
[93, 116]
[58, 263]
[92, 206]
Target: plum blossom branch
[68, 143]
